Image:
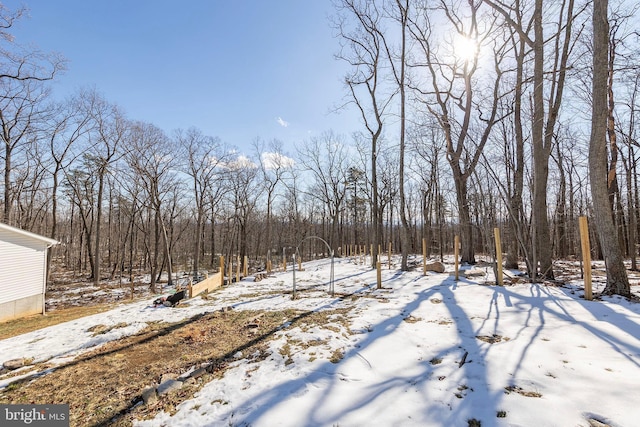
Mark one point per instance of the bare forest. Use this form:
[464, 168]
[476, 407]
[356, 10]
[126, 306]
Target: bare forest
[474, 115]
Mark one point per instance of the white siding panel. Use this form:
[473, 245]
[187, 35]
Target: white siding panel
[22, 265]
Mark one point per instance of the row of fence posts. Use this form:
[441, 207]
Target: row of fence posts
[244, 265]
[585, 246]
[361, 251]
[586, 257]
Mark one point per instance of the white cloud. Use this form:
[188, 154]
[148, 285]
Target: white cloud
[282, 122]
[240, 162]
[243, 162]
[276, 160]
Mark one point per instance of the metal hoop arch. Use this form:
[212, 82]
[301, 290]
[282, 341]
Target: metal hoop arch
[331, 274]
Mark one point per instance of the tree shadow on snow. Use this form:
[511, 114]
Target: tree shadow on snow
[543, 304]
[467, 391]
[328, 377]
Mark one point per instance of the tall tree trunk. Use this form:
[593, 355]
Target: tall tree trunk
[96, 254]
[156, 250]
[631, 213]
[617, 280]
[404, 233]
[54, 218]
[6, 213]
[198, 241]
[540, 155]
[466, 230]
[515, 201]
[375, 204]
[561, 209]
[167, 250]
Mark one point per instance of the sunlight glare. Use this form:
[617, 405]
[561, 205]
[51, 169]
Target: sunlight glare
[465, 48]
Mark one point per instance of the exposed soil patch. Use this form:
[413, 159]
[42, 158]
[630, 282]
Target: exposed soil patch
[104, 387]
[521, 391]
[492, 339]
[412, 319]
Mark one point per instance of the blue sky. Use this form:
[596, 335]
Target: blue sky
[231, 68]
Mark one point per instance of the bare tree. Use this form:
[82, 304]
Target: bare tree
[617, 280]
[63, 131]
[545, 113]
[204, 157]
[109, 129]
[152, 160]
[325, 158]
[630, 162]
[398, 61]
[87, 181]
[80, 183]
[21, 108]
[515, 155]
[428, 145]
[18, 62]
[22, 73]
[241, 177]
[364, 51]
[273, 164]
[451, 94]
[388, 182]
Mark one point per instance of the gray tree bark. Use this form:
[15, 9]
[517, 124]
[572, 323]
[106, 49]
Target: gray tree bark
[617, 280]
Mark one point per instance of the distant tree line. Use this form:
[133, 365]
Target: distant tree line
[474, 115]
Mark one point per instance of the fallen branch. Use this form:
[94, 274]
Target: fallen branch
[464, 359]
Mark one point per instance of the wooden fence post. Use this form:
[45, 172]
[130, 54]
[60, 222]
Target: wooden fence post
[389, 256]
[424, 256]
[238, 268]
[456, 253]
[221, 270]
[268, 264]
[586, 257]
[284, 260]
[496, 234]
[378, 275]
[246, 266]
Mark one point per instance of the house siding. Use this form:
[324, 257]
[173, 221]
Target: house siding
[22, 266]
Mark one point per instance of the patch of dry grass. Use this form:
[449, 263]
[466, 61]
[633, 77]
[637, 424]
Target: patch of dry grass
[16, 327]
[106, 383]
[103, 329]
[336, 356]
[103, 387]
[412, 319]
[492, 339]
[521, 391]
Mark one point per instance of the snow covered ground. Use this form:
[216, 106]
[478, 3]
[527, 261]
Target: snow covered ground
[422, 351]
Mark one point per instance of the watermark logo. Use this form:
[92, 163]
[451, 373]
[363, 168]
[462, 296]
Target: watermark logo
[34, 415]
